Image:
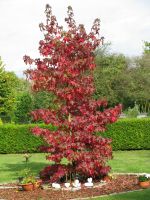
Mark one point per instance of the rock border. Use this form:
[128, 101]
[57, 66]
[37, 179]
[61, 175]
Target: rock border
[6, 185]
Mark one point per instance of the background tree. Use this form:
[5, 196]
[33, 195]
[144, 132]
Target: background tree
[140, 75]
[8, 81]
[26, 101]
[126, 79]
[23, 108]
[146, 47]
[112, 78]
[43, 99]
[66, 70]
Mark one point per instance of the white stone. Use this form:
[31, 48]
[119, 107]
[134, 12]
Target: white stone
[102, 181]
[90, 180]
[76, 184]
[56, 185]
[53, 184]
[87, 184]
[67, 185]
[147, 175]
[75, 188]
[142, 115]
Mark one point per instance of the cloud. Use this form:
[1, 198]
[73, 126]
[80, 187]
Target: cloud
[125, 23]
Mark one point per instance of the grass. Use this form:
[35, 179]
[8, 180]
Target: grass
[124, 161]
[131, 161]
[138, 195]
[12, 164]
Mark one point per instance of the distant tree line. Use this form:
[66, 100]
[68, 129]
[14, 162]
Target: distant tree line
[124, 80]
[118, 79]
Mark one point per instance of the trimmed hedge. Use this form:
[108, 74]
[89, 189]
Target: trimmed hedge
[19, 139]
[127, 134]
[130, 134]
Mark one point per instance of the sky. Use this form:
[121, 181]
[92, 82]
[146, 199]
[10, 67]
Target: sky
[124, 23]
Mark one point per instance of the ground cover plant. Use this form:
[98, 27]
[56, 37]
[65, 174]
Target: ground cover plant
[66, 69]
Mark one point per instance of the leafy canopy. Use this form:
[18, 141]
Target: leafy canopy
[66, 69]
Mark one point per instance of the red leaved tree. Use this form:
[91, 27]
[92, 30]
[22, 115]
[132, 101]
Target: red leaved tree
[66, 69]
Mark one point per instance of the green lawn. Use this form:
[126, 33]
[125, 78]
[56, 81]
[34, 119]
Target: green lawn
[139, 195]
[12, 164]
[131, 161]
[124, 161]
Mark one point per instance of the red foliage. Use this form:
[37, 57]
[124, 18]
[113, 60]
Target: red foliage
[66, 69]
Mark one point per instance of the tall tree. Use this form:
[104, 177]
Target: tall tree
[8, 80]
[23, 108]
[111, 77]
[140, 76]
[146, 47]
[66, 69]
[43, 99]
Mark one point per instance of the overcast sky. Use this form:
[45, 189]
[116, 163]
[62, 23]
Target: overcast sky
[125, 23]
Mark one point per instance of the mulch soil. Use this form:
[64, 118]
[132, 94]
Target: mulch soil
[121, 183]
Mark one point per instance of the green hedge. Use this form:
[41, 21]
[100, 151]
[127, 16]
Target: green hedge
[130, 134]
[127, 134]
[19, 139]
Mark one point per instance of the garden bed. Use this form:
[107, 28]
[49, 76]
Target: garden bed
[121, 183]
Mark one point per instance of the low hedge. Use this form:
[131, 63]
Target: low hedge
[127, 134]
[19, 139]
[130, 134]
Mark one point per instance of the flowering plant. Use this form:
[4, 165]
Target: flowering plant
[143, 178]
[29, 179]
[26, 176]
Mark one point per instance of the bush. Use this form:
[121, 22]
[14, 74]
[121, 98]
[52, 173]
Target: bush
[19, 139]
[133, 112]
[23, 109]
[127, 134]
[130, 134]
[1, 122]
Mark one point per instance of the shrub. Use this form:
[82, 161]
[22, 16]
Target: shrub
[133, 112]
[18, 139]
[23, 108]
[130, 134]
[126, 134]
[143, 178]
